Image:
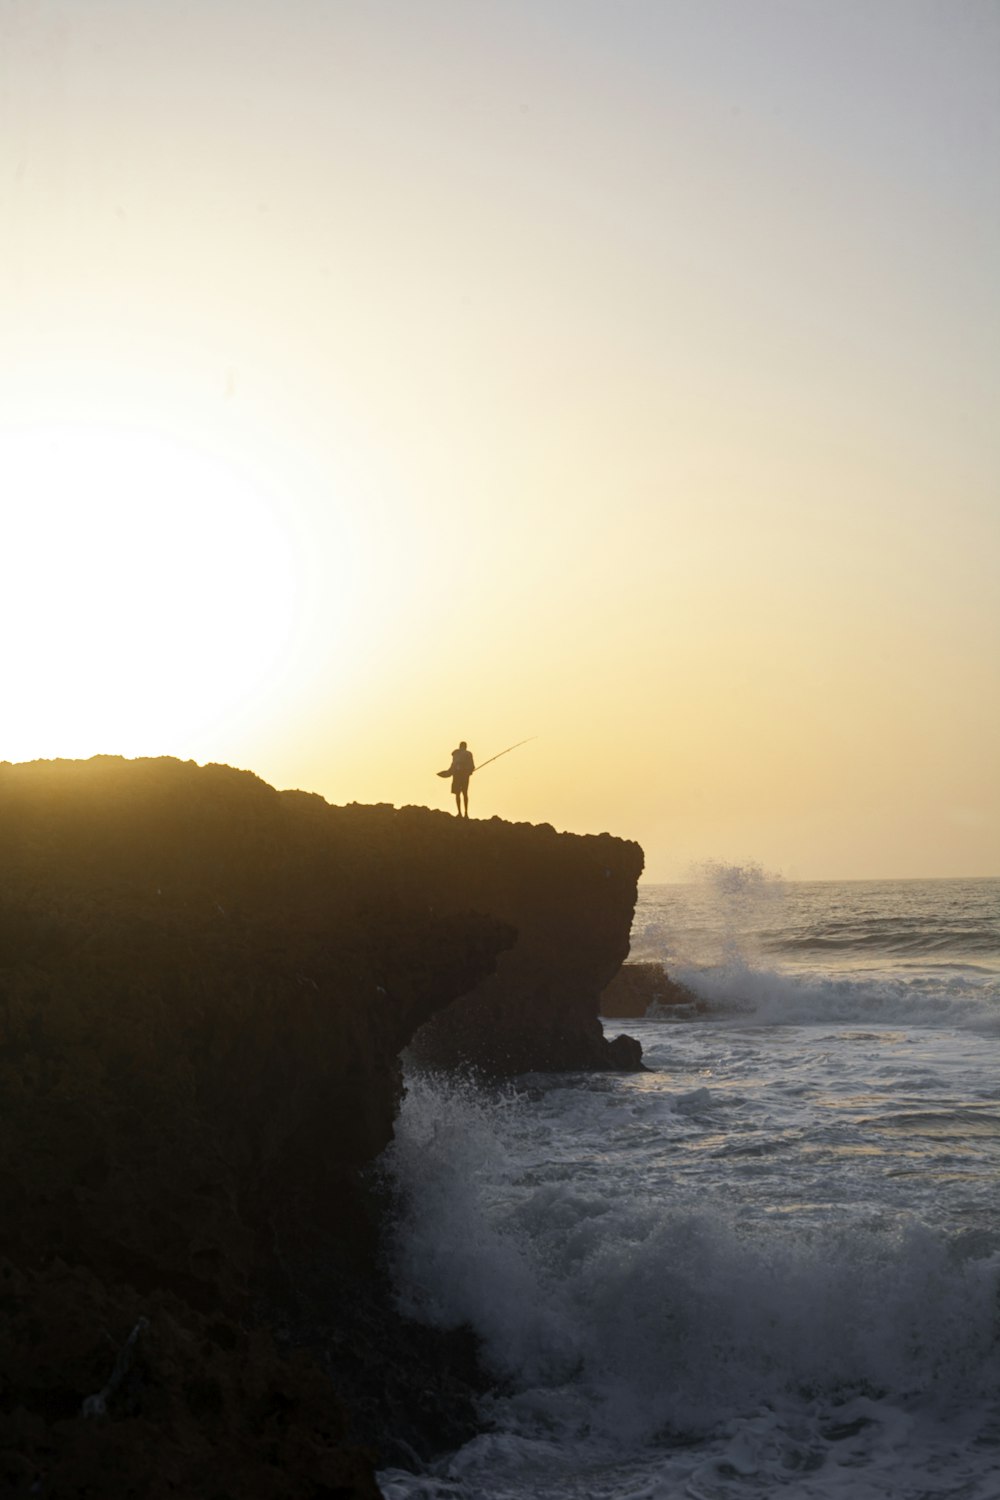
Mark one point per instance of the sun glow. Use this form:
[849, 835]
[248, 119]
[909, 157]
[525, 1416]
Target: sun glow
[509, 371]
[149, 594]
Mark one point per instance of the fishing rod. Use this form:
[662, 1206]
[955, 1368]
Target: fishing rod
[506, 752]
[497, 756]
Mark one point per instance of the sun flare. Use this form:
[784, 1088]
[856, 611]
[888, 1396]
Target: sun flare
[149, 597]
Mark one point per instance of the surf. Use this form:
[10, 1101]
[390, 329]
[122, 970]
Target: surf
[631, 1320]
[770, 1263]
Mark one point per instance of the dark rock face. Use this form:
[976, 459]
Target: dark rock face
[205, 986]
[571, 900]
[109, 1392]
[639, 986]
[203, 995]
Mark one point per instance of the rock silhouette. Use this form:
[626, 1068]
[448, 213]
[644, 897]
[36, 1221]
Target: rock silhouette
[205, 987]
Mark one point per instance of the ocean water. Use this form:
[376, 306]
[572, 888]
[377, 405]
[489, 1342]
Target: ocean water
[768, 1266]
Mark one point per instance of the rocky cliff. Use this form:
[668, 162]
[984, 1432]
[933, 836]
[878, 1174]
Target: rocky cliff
[205, 986]
[570, 900]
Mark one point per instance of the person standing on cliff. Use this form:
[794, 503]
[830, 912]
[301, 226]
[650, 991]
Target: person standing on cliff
[461, 768]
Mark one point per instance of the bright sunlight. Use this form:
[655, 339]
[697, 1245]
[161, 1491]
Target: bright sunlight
[150, 593]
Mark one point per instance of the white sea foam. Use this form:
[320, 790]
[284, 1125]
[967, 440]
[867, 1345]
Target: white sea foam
[620, 1321]
[769, 1265]
[803, 997]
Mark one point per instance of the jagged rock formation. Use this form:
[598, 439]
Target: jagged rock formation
[205, 986]
[642, 988]
[571, 900]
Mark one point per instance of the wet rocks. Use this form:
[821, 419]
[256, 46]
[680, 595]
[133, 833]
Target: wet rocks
[639, 989]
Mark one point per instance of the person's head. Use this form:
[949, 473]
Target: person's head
[462, 745]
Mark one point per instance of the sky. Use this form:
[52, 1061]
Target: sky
[377, 374]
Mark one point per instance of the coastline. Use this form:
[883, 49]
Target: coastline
[207, 985]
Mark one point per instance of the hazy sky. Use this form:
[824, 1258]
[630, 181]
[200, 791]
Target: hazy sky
[380, 373]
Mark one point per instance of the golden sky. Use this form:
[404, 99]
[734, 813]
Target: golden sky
[376, 374]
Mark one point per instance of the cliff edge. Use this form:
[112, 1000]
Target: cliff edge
[570, 899]
[205, 986]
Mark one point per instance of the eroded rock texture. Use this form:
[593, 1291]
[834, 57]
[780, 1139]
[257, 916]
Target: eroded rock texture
[571, 900]
[644, 987]
[205, 986]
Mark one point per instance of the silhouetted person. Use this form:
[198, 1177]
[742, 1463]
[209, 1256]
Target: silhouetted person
[462, 767]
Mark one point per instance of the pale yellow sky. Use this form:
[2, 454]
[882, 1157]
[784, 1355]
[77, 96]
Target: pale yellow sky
[375, 375]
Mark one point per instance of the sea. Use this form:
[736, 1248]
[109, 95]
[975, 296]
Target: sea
[767, 1266]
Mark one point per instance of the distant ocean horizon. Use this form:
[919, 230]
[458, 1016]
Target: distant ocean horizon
[708, 865]
[703, 876]
[768, 1265]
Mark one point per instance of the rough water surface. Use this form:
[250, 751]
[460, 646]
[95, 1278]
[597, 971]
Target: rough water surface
[770, 1264]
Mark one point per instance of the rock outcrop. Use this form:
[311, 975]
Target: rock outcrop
[571, 901]
[205, 986]
[644, 988]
